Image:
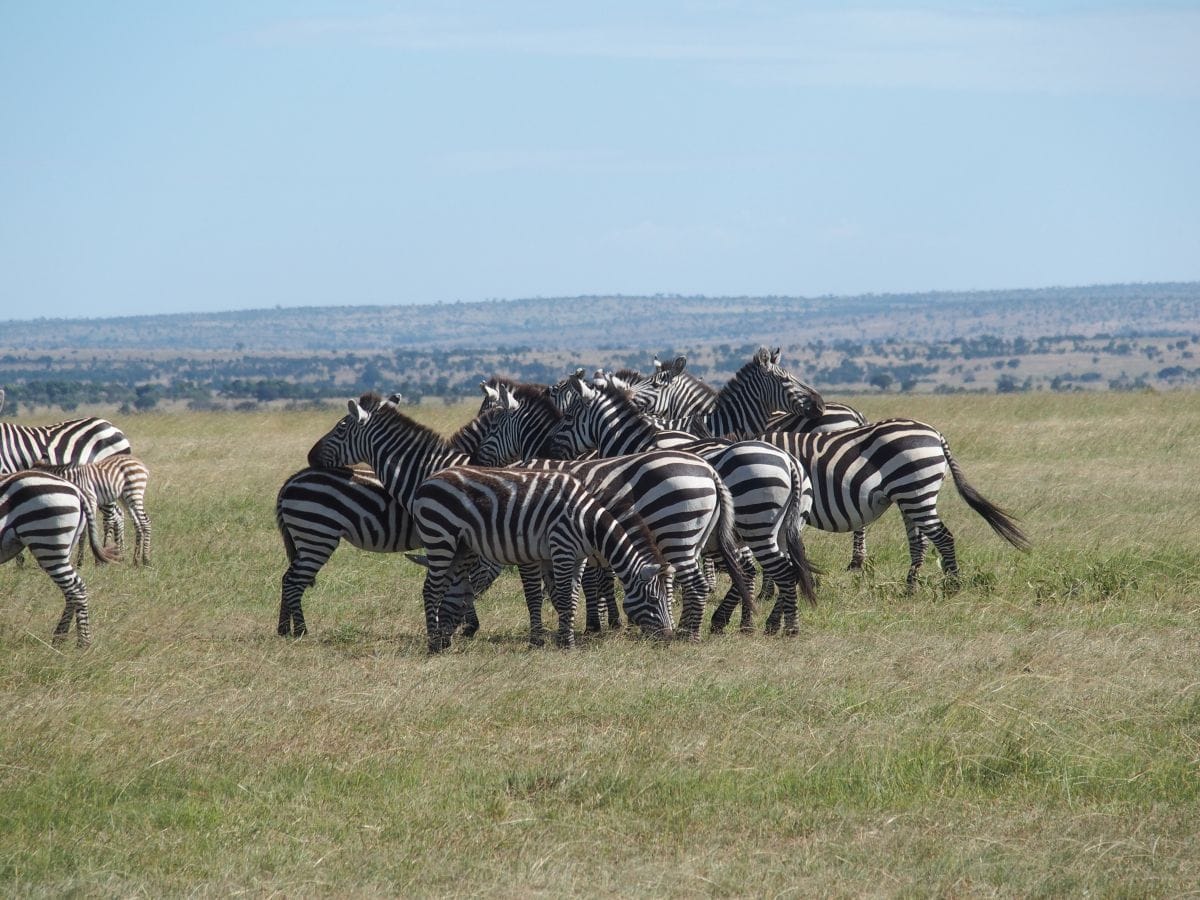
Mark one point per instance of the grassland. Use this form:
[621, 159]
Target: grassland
[1036, 734]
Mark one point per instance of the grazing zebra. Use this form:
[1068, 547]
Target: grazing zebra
[770, 490]
[316, 509]
[538, 521]
[47, 514]
[858, 473]
[678, 495]
[114, 480]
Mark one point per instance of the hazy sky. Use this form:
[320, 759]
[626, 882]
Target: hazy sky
[160, 156]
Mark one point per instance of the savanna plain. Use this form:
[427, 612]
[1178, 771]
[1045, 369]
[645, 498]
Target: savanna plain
[1035, 734]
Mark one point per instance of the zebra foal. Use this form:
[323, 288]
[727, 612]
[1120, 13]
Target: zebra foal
[539, 521]
[47, 514]
[114, 481]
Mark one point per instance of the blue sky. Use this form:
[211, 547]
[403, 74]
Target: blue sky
[171, 157]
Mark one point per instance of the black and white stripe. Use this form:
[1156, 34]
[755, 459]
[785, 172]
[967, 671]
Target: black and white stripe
[770, 491]
[316, 509]
[70, 443]
[743, 406]
[534, 520]
[858, 473]
[47, 515]
[679, 496]
[115, 481]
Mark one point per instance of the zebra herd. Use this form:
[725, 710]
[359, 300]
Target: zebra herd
[56, 481]
[654, 480]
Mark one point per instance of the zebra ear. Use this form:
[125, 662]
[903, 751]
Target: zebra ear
[506, 399]
[492, 395]
[775, 356]
[358, 412]
[395, 399]
[657, 363]
[762, 356]
[677, 366]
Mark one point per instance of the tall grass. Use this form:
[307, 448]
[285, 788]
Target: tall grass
[1037, 733]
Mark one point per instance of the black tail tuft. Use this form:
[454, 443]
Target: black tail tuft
[1003, 522]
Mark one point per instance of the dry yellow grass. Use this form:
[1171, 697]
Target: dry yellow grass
[1036, 734]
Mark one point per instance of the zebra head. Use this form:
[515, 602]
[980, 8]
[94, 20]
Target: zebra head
[648, 595]
[777, 389]
[654, 396]
[579, 430]
[501, 443]
[561, 393]
[346, 443]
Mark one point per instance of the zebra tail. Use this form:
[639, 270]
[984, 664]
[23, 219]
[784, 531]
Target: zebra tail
[289, 544]
[727, 544]
[793, 521]
[95, 538]
[1003, 522]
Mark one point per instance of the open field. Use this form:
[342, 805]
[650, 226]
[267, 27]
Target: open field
[1037, 733]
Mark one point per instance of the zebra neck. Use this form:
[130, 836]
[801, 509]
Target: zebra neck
[403, 473]
[737, 411]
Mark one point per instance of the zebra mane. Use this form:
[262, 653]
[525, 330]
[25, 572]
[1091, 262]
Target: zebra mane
[539, 401]
[628, 374]
[394, 420]
[522, 390]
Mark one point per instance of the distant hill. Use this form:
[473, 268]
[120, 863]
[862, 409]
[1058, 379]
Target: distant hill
[1106, 337]
[575, 323]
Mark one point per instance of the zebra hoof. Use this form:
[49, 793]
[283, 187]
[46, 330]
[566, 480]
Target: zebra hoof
[791, 631]
[714, 628]
[771, 627]
[564, 642]
[687, 635]
[746, 627]
[469, 631]
[592, 628]
[439, 644]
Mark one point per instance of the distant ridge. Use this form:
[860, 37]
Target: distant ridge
[620, 321]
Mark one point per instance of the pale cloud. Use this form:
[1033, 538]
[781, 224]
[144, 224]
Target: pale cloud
[1126, 50]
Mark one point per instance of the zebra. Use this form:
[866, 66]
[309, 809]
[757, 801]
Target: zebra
[47, 514]
[402, 453]
[770, 490]
[678, 495]
[318, 507]
[114, 480]
[741, 409]
[856, 474]
[70, 443]
[538, 521]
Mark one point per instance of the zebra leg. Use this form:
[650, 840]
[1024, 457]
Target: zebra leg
[916, 554]
[695, 591]
[785, 605]
[724, 610]
[291, 615]
[531, 583]
[858, 556]
[568, 574]
[114, 521]
[482, 575]
[943, 540]
[141, 524]
[609, 593]
[301, 574]
[593, 587]
[76, 608]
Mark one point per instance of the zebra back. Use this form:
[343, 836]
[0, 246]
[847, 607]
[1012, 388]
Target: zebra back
[73, 442]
